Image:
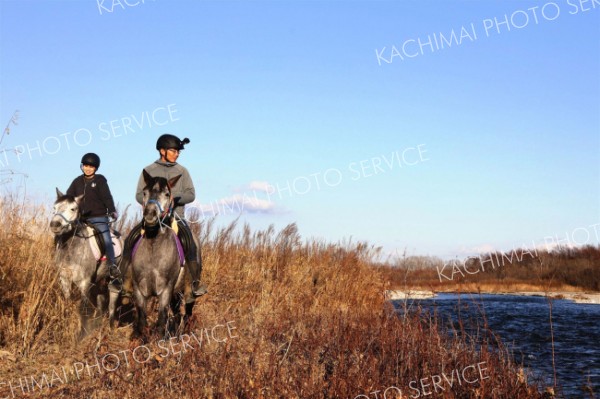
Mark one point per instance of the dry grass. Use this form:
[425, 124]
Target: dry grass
[514, 286]
[311, 318]
[498, 287]
[562, 269]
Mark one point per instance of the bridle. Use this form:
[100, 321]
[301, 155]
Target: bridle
[164, 213]
[76, 223]
[64, 237]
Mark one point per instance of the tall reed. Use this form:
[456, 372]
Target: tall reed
[311, 321]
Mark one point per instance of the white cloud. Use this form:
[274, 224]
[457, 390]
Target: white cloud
[233, 205]
[255, 186]
[244, 200]
[263, 186]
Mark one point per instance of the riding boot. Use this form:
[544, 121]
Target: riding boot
[193, 263]
[194, 268]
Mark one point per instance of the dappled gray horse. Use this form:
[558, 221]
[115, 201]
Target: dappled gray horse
[157, 257]
[77, 262]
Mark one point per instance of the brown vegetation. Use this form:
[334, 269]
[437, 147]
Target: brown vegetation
[562, 269]
[311, 322]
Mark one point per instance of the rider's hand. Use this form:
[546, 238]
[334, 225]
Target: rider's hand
[115, 215]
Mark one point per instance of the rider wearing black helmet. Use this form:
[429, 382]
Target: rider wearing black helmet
[96, 204]
[169, 148]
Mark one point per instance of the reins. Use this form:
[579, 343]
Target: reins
[77, 230]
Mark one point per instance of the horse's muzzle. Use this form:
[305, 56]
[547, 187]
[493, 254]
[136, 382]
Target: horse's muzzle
[57, 227]
[151, 220]
[151, 216]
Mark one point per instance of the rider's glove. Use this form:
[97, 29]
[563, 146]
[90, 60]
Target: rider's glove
[114, 215]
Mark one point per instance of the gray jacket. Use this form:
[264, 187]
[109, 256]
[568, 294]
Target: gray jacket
[183, 192]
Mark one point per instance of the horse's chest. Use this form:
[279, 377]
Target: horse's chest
[83, 255]
[155, 257]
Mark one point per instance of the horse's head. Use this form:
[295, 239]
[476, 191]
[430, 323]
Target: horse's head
[66, 213]
[157, 198]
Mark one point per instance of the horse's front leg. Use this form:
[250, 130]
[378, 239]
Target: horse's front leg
[164, 303]
[101, 304]
[141, 320]
[113, 298]
[65, 282]
[86, 309]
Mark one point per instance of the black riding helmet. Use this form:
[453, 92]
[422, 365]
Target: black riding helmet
[91, 159]
[168, 141]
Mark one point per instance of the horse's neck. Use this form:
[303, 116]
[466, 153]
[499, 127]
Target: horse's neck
[158, 230]
[79, 231]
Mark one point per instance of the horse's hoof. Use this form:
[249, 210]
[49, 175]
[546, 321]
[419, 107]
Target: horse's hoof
[136, 335]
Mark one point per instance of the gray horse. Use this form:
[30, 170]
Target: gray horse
[157, 258]
[77, 263]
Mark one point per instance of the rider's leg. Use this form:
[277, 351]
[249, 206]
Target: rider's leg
[101, 223]
[193, 260]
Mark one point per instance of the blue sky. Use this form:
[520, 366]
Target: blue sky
[506, 114]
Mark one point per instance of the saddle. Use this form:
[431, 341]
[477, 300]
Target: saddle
[97, 245]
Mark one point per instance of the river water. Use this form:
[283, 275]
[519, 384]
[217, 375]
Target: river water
[523, 325]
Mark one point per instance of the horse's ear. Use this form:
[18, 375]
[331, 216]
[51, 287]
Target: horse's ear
[58, 193]
[173, 181]
[147, 177]
[78, 199]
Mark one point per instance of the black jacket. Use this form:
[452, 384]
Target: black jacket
[97, 199]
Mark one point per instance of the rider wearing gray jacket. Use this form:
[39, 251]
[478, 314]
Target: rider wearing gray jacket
[183, 192]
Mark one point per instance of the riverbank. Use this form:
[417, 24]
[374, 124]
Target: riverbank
[577, 297]
[300, 311]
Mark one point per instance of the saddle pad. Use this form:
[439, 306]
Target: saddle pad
[180, 251]
[96, 250]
